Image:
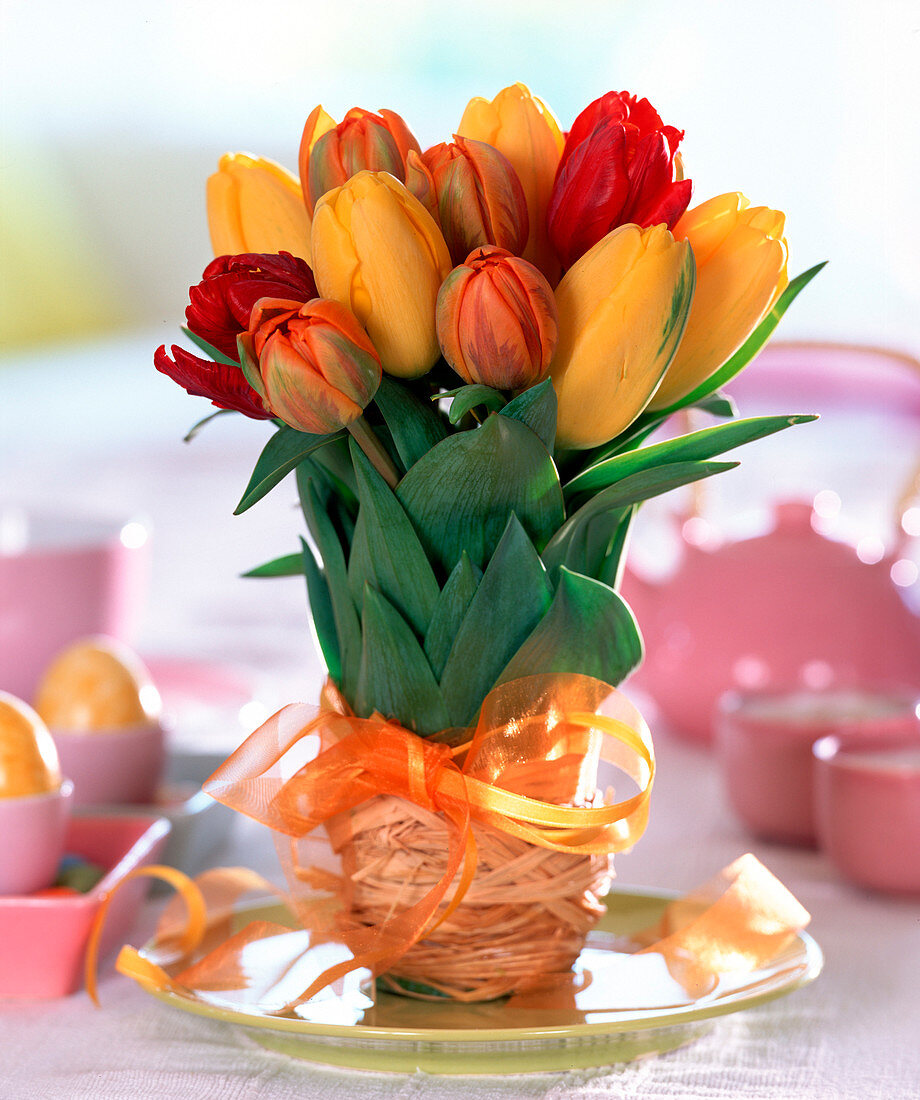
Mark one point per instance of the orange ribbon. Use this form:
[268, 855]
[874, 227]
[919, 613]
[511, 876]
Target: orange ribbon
[547, 729]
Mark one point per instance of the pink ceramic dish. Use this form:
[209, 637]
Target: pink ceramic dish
[38, 822]
[120, 767]
[64, 577]
[867, 798]
[43, 939]
[764, 742]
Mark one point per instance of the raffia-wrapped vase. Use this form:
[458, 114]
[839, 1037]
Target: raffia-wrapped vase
[524, 918]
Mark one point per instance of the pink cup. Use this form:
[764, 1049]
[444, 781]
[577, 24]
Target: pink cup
[32, 830]
[113, 768]
[64, 577]
[764, 741]
[867, 800]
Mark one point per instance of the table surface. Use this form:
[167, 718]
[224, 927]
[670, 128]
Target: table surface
[97, 426]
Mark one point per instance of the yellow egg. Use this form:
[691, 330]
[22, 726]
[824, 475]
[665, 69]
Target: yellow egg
[28, 758]
[97, 685]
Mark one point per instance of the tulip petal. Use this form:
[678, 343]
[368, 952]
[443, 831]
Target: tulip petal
[224, 386]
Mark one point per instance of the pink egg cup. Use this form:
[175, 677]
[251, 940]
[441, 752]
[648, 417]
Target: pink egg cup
[32, 831]
[123, 767]
[867, 800]
[764, 749]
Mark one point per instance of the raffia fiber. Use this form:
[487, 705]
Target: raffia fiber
[525, 916]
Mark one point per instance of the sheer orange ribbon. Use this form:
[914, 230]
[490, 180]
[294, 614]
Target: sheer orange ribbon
[565, 723]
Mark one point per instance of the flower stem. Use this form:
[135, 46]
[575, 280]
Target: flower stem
[369, 443]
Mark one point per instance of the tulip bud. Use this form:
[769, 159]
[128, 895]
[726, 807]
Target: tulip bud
[331, 154]
[618, 166]
[377, 250]
[255, 205]
[480, 199]
[497, 320]
[312, 364]
[518, 125]
[622, 310]
[740, 255]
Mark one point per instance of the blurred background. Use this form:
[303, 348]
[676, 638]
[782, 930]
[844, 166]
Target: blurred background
[113, 115]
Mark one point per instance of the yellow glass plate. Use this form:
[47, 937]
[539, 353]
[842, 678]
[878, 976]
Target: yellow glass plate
[620, 1007]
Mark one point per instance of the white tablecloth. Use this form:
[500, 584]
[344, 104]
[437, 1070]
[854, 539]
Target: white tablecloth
[97, 426]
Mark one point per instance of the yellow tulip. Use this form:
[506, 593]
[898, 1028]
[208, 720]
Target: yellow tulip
[378, 251]
[255, 205]
[622, 311]
[740, 255]
[519, 125]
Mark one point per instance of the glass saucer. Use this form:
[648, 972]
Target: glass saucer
[618, 1006]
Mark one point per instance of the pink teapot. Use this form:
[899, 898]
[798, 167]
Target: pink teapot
[792, 607]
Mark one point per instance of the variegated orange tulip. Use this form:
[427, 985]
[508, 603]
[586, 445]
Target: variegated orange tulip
[741, 258]
[331, 153]
[312, 364]
[622, 311]
[377, 250]
[480, 200]
[497, 320]
[525, 131]
[255, 205]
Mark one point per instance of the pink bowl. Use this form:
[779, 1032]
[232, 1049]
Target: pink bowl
[43, 939]
[64, 577]
[123, 767]
[32, 832]
[867, 799]
[763, 745]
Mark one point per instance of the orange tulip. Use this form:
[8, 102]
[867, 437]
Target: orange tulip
[525, 131]
[497, 320]
[480, 200]
[332, 153]
[312, 363]
[255, 205]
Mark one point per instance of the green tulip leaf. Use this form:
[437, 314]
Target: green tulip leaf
[568, 543]
[199, 424]
[512, 597]
[290, 565]
[386, 552]
[395, 677]
[322, 615]
[752, 345]
[449, 611]
[345, 615]
[589, 629]
[414, 425]
[467, 398]
[536, 408]
[610, 570]
[718, 404]
[210, 350]
[704, 444]
[459, 495]
[283, 453]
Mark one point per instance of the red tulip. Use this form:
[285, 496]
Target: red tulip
[617, 167]
[220, 305]
[496, 319]
[480, 200]
[313, 364]
[224, 385]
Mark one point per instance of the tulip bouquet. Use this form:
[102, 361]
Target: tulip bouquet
[465, 351]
